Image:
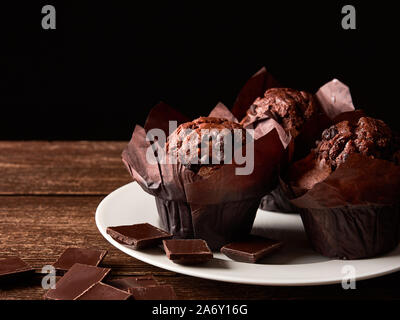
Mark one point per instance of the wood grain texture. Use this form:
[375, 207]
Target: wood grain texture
[79, 167]
[48, 196]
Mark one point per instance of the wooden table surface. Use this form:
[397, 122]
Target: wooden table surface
[49, 192]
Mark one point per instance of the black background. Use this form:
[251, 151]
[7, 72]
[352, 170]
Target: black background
[107, 64]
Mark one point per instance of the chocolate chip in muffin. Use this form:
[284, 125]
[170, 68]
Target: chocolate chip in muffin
[329, 133]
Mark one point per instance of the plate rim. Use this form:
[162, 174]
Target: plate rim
[191, 271]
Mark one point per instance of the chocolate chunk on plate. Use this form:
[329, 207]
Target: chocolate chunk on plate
[161, 292]
[187, 251]
[13, 267]
[78, 279]
[78, 255]
[102, 291]
[250, 249]
[133, 282]
[138, 236]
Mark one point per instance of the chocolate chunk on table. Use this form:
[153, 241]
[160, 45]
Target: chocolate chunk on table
[250, 249]
[13, 267]
[102, 291]
[78, 279]
[133, 282]
[71, 256]
[161, 292]
[187, 251]
[138, 236]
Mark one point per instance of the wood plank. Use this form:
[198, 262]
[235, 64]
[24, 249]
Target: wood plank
[78, 167]
[190, 288]
[48, 195]
[39, 228]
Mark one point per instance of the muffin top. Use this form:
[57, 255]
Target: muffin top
[290, 108]
[199, 144]
[368, 136]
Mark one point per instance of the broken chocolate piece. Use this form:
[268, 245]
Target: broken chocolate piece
[133, 282]
[101, 291]
[13, 267]
[187, 251]
[138, 236]
[162, 292]
[250, 249]
[78, 279]
[77, 255]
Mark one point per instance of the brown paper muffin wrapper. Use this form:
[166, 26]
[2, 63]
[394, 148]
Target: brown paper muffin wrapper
[334, 99]
[208, 222]
[354, 213]
[253, 88]
[352, 232]
[218, 208]
[278, 200]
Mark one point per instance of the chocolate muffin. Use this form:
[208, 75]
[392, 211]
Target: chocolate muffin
[367, 136]
[289, 107]
[301, 117]
[347, 190]
[216, 202]
[199, 144]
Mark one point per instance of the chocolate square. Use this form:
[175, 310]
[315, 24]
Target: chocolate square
[78, 279]
[187, 251]
[250, 249]
[161, 292]
[71, 256]
[101, 291]
[133, 282]
[138, 236]
[13, 267]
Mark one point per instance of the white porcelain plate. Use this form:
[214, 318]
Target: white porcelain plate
[295, 264]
